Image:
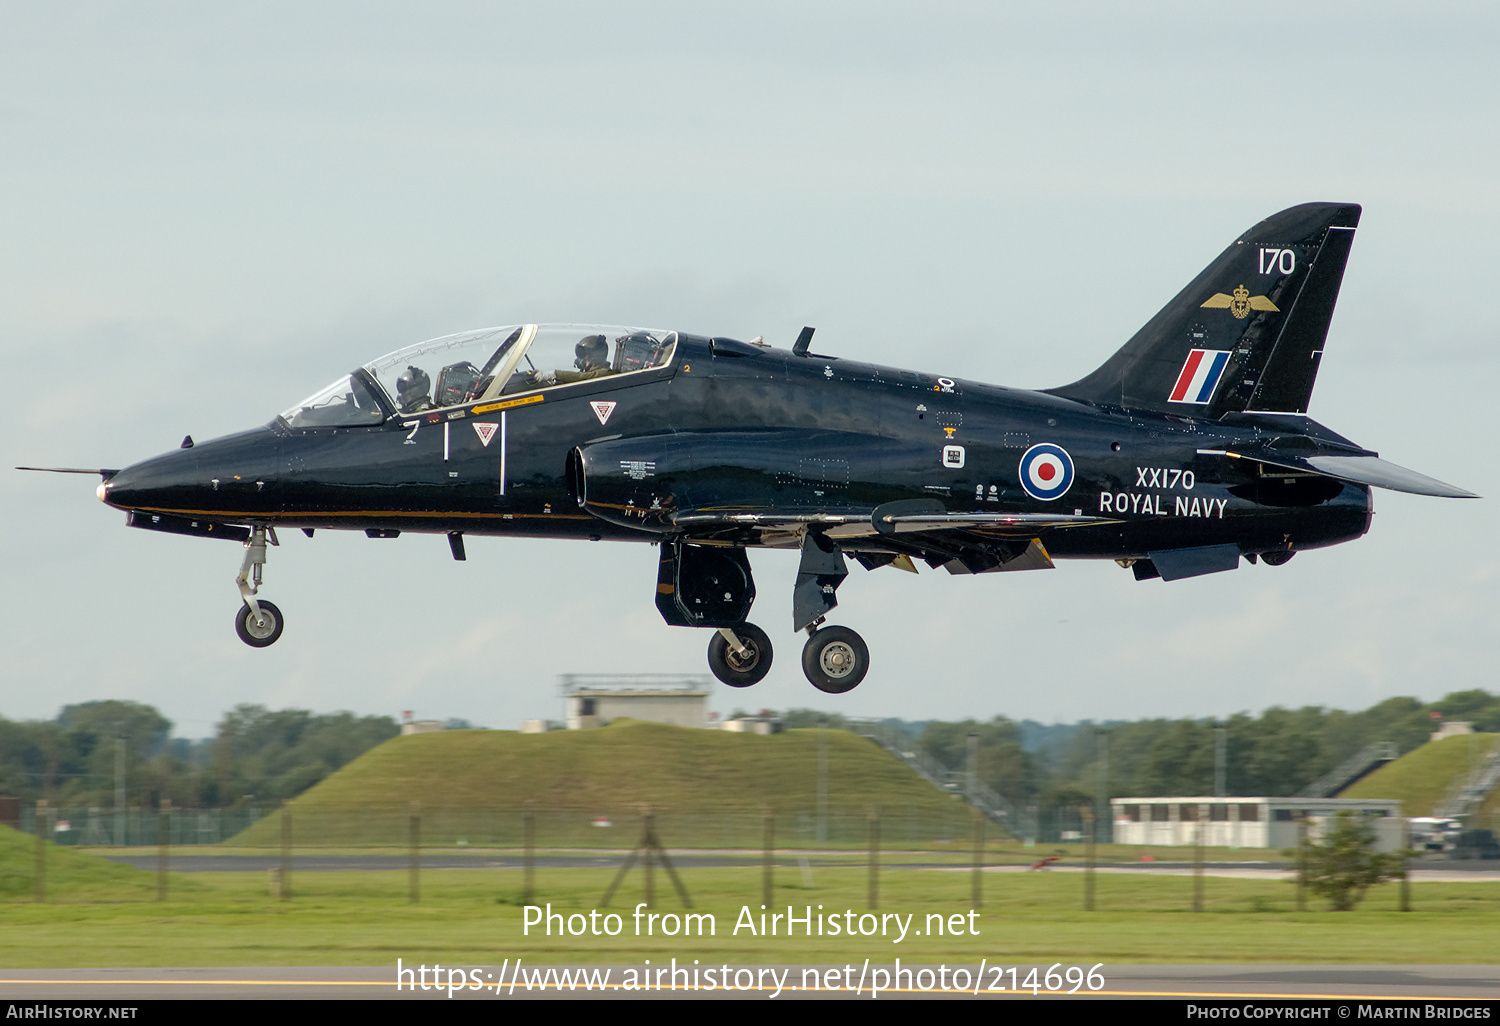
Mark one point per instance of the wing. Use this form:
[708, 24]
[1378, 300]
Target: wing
[894, 534]
[859, 525]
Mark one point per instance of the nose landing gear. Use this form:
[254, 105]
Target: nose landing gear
[258, 623]
[258, 627]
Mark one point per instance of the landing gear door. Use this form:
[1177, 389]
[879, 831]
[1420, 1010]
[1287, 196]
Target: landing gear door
[701, 586]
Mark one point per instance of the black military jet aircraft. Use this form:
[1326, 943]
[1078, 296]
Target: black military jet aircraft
[1188, 450]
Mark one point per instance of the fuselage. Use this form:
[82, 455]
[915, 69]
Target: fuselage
[731, 425]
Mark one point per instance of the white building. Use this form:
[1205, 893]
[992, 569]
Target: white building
[593, 700]
[755, 725]
[1245, 822]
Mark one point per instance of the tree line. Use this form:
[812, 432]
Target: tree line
[260, 755]
[1274, 754]
[256, 755]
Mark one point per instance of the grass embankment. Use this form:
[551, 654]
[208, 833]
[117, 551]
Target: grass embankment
[475, 918]
[1422, 776]
[708, 788]
[70, 876]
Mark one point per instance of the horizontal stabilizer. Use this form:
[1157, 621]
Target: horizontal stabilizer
[1361, 469]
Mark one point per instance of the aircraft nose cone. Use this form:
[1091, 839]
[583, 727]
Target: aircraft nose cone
[132, 487]
[234, 475]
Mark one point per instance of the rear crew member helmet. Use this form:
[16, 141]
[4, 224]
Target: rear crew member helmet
[412, 387]
[591, 351]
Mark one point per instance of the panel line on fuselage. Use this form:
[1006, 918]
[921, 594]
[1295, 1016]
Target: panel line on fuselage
[241, 516]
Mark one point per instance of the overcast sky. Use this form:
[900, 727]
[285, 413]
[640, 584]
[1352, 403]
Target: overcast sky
[208, 212]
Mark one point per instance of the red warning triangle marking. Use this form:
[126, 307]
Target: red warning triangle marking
[603, 410]
[485, 431]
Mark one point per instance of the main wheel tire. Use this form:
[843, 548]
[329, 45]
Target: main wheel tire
[835, 660]
[262, 632]
[737, 671]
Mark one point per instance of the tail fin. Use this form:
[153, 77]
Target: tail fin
[1247, 334]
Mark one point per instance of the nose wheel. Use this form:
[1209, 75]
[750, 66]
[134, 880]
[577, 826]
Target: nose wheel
[739, 655]
[835, 660]
[259, 629]
[258, 623]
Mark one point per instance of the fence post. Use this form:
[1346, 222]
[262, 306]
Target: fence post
[164, 845]
[1405, 865]
[414, 836]
[119, 823]
[1301, 863]
[976, 898]
[43, 815]
[285, 881]
[1087, 812]
[649, 834]
[528, 841]
[874, 815]
[823, 784]
[1198, 859]
[768, 884]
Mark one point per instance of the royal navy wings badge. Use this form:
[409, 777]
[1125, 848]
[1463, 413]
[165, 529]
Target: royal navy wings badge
[1241, 303]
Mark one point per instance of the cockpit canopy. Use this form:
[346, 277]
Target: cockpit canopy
[475, 366]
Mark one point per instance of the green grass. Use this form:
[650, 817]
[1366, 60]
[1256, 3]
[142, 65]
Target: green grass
[70, 875]
[707, 788]
[1422, 776]
[100, 914]
[475, 917]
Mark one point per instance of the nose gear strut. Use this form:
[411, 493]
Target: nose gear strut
[258, 622]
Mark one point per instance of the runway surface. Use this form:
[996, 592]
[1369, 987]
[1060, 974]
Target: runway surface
[1208, 983]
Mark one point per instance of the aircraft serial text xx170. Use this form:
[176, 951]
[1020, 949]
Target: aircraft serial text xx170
[1188, 450]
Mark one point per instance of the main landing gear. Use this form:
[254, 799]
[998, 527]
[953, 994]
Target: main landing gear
[710, 586]
[740, 655]
[835, 659]
[258, 622]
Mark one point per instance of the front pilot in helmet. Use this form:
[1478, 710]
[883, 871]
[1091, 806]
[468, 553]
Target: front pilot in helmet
[411, 390]
[591, 353]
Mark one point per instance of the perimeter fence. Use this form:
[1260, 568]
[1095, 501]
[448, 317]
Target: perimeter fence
[939, 824]
[303, 837]
[911, 825]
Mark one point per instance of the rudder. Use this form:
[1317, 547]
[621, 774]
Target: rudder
[1247, 333]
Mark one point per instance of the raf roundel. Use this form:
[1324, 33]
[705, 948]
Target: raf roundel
[1046, 471]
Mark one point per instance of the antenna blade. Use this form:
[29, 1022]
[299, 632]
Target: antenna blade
[804, 339]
